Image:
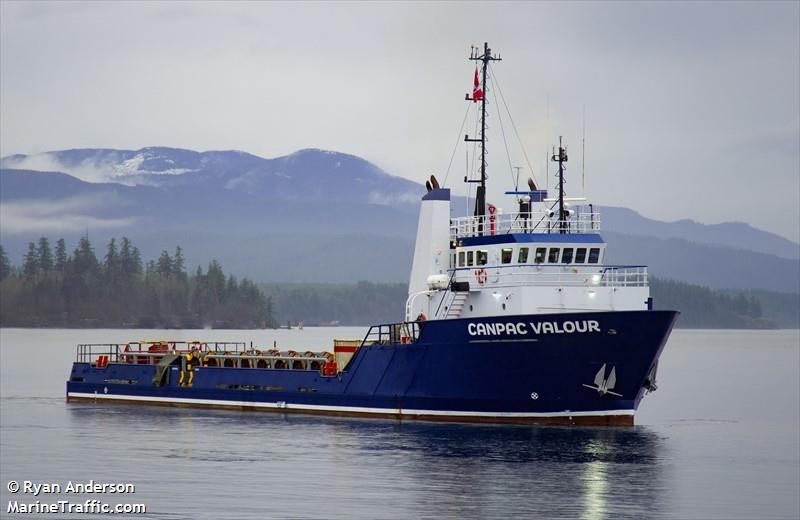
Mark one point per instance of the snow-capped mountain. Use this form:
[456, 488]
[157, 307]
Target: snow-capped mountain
[316, 216]
[309, 174]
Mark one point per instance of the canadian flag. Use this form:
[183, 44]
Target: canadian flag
[477, 91]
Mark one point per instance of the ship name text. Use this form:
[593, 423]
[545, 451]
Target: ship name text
[523, 329]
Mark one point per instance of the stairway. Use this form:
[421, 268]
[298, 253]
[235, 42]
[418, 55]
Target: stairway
[456, 305]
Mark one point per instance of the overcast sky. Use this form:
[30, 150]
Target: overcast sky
[692, 109]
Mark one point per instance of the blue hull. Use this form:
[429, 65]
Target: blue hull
[520, 369]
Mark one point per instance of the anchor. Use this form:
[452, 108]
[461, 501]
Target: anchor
[604, 384]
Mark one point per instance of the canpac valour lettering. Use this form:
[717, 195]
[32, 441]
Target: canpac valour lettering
[542, 327]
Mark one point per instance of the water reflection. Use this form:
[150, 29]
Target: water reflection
[591, 473]
[408, 469]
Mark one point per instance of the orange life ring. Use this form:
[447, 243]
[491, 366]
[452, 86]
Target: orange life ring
[481, 276]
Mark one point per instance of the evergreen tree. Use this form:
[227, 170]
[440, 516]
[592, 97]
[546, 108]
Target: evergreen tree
[215, 282]
[164, 265]
[5, 266]
[30, 263]
[111, 262]
[61, 255]
[84, 260]
[44, 256]
[178, 262]
[232, 287]
[130, 260]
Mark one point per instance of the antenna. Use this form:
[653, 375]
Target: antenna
[546, 169]
[516, 181]
[479, 94]
[583, 153]
[561, 158]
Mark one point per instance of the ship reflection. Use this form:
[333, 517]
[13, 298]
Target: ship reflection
[418, 469]
[545, 472]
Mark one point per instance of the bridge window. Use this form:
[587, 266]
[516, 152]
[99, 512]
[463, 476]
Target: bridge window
[506, 255]
[540, 252]
[566, 257]
[461, 260]
[523, 255]
[580, 255]
[470, 258]
[594, 255]
[482, 257]
[552, 258]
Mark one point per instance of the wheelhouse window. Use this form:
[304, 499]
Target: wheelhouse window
[523, 255]
[552, 258]
[580, 255]
[540, 254]
[461, 259]
[470, 258]
[506, 254]
[594, 255]
[566, 256]
[482, 257]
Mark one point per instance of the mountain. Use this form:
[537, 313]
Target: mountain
[315, 216]
[714, 266]
[737, 235]
[307, 175]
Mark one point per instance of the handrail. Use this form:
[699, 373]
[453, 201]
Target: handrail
[555, 275]
[441, 301]
[516, 222]
[405, 332]
[86, 351]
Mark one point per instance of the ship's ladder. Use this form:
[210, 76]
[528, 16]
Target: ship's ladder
[456, 305]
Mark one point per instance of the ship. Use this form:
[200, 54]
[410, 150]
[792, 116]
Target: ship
[511, 317]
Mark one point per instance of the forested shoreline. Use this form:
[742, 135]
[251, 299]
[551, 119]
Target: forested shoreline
[700, 306]
[54, 288]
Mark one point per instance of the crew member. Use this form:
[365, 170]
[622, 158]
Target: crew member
[192, 359]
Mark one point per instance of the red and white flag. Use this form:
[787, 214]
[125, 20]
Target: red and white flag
[477, 91]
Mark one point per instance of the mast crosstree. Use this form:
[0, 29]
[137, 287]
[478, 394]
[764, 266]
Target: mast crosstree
[480, 95]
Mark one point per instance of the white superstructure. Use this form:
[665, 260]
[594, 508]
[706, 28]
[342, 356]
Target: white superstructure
[517, 263]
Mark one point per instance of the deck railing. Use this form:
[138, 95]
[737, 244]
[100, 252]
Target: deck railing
[119, 352]
[555, 276]
[212, 354]
[536, 222]
[393, 333]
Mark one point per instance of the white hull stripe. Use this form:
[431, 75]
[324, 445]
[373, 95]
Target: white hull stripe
[351, 409]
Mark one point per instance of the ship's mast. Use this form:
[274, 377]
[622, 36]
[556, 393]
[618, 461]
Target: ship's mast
[480, 197]
[561, 158]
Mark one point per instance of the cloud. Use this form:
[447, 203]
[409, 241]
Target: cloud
[383, 199]
[87, 170]
[63, 215]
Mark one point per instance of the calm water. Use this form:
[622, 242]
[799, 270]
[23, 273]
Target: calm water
[719, 439]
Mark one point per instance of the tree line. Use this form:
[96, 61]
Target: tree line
[54, 288]
[368, 303]
[704, 308]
